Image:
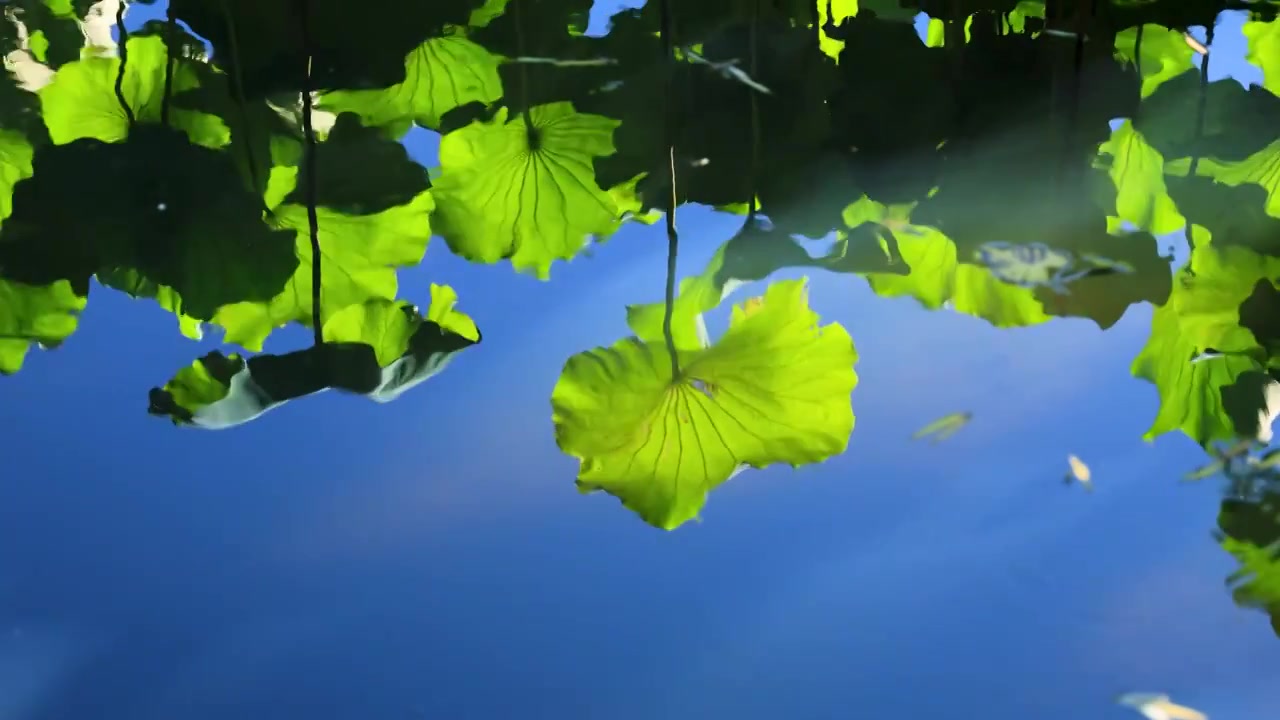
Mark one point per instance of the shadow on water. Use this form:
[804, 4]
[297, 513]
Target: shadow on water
[1075, 196]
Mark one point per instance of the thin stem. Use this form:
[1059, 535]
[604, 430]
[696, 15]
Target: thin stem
[313, 220]
[673, 237]
[124, 60]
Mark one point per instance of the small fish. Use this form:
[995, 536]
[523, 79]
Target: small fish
[1195, 44]
[583, 62]
[1155, 706]
[944, 427]
[1079, 472]
[728, 69]
[1104, 265]
[1029, 265]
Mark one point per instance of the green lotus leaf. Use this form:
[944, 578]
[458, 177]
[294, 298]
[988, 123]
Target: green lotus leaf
[1203, 313]
[1164, 54]
[774, 389]
[359, 256]
[1263, 42]
[1138, 173]
[81, 100]
[1256, 169]
[15, 165]
[359, 171]
[379, 349]
[525, 188]
[176, 214]
[442, 74]
[28, 314]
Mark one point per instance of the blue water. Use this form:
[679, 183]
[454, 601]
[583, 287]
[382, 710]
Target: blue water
[431, 558]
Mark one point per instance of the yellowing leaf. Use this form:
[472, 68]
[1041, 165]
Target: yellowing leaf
[774, 389]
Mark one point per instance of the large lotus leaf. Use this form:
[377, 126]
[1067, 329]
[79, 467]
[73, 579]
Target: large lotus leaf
[1203, 314]
[81, 102]
[1264, 51]
[175, 212]
[28, 314]
[442, 74]
[1238, 122]
[263, 42]
[1138, 173]
[1257, 169]
[524, 188]
[359, 255]
[378, 349]
[360, 172]
[774, 389]
[1159, 52]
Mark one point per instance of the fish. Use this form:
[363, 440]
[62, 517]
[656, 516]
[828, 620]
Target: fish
[579, 62]
[1195, 44]
[944, 427]
[1106, 266]
[1079, 472]
[1156, 706]
[1029, 265]
[728, 69]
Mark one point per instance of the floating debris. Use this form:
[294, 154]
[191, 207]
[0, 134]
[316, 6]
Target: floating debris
[1155, 706]
[944, 427]
[728, 69]
[1079, 472]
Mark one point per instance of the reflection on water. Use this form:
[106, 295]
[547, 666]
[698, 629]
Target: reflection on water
[685, 227]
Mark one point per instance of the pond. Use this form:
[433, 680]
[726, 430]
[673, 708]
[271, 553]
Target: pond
[666, 359]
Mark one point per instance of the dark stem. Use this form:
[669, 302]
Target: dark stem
[753, 47]
[673, 237]
[309, 131]
[1202, 104]
[531, 135]
[1137, 67]
[170, 38]
[124, 60]
[242, 106]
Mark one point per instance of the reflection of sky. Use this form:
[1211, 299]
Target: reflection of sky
[341, 559]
